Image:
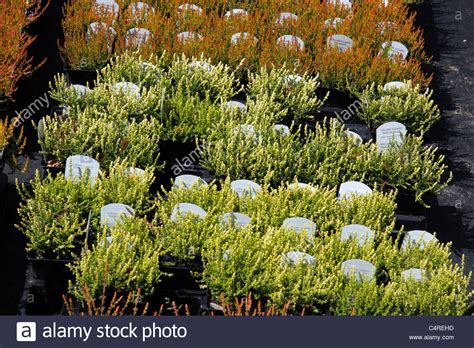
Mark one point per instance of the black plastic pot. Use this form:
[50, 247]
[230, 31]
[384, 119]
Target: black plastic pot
[81, 77]
[181, 287]
[336, 97]
[46, 282]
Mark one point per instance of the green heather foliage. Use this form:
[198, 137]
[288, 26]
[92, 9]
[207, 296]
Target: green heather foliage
[54, 211]
[250, 259]
[54, 215]
[102, 135]
[326, 156]
[106, 99]
[268, 210]
[127, 263]
[409, 105]
[294, 93]
[188, 96]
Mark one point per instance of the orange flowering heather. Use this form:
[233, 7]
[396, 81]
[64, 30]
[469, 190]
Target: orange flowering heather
[14, 42]
[263, 33]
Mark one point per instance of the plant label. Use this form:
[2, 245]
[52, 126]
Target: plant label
[390, 133]
[361, 269]
[98, 28]
[137, 37]
[415, 274]
[300, 225]
[393, 86]
[290, 41]
[385, 26]
[236, 12]
[111, 214]
[141, 9]
[360, 233]
[186, 36]
[182, 209]
[78, 166]
[245, 188]
[286, 16]
[80, 90]
[107, 6]
[282, 129]
[352, 189]
[237, 220]
[190, 7]
[235, 104]
[395, 49]
[131, 171]
[356, 137]
[345, 3]
[418, 238]
[302, 186]
[127, 88]
[333, 22]
[188, 181]
[293, 257]
[238, 37]
[342, 42]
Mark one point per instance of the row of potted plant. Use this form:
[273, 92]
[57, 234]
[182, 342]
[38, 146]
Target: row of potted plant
[57, 214]
[239, 258]
[267, 34]
[184, 100]
[15, 62]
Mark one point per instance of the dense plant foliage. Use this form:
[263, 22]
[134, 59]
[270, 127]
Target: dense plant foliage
[129, 260]
[102, 135]
[188, 96]
[210, 32]
[238, 260]
[326, 156]
[15, 62]
[409, 105]
[54, 212]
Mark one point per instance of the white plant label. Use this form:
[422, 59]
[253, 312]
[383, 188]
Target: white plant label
[342, 42]
[362, 234]
[418, 238]
[245, 187]
[188, 181]
[111, 214]
[353, 188]
[300, 225]
[78, 166]
[182, 209]
[290, 41]
[388, 133]
[361, 269]
[395, 49]
[238, 220]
